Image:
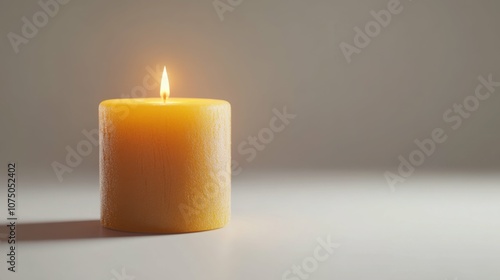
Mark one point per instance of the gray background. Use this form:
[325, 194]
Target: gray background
[264, 54]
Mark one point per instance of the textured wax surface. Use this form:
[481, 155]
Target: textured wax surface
[165, 167]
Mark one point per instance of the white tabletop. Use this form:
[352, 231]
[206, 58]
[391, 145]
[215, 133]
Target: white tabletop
[431, 227]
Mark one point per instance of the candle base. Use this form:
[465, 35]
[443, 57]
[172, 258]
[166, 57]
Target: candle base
[163, 230]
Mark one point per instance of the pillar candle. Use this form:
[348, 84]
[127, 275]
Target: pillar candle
[165, 164]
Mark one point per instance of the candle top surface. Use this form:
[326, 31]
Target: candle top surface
[168, 102]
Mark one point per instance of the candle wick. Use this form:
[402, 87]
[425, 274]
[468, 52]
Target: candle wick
[164, 98]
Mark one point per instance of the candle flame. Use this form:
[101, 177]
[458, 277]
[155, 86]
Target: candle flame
[164, 87]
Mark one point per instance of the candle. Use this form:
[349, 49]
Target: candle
[165, 165]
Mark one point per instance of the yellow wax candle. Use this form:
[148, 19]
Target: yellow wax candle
[165, 164]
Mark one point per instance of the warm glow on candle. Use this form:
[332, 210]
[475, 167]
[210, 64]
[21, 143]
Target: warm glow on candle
[164, 87]
[176, 152]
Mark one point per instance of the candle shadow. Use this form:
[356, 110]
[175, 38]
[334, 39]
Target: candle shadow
[67, 230]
